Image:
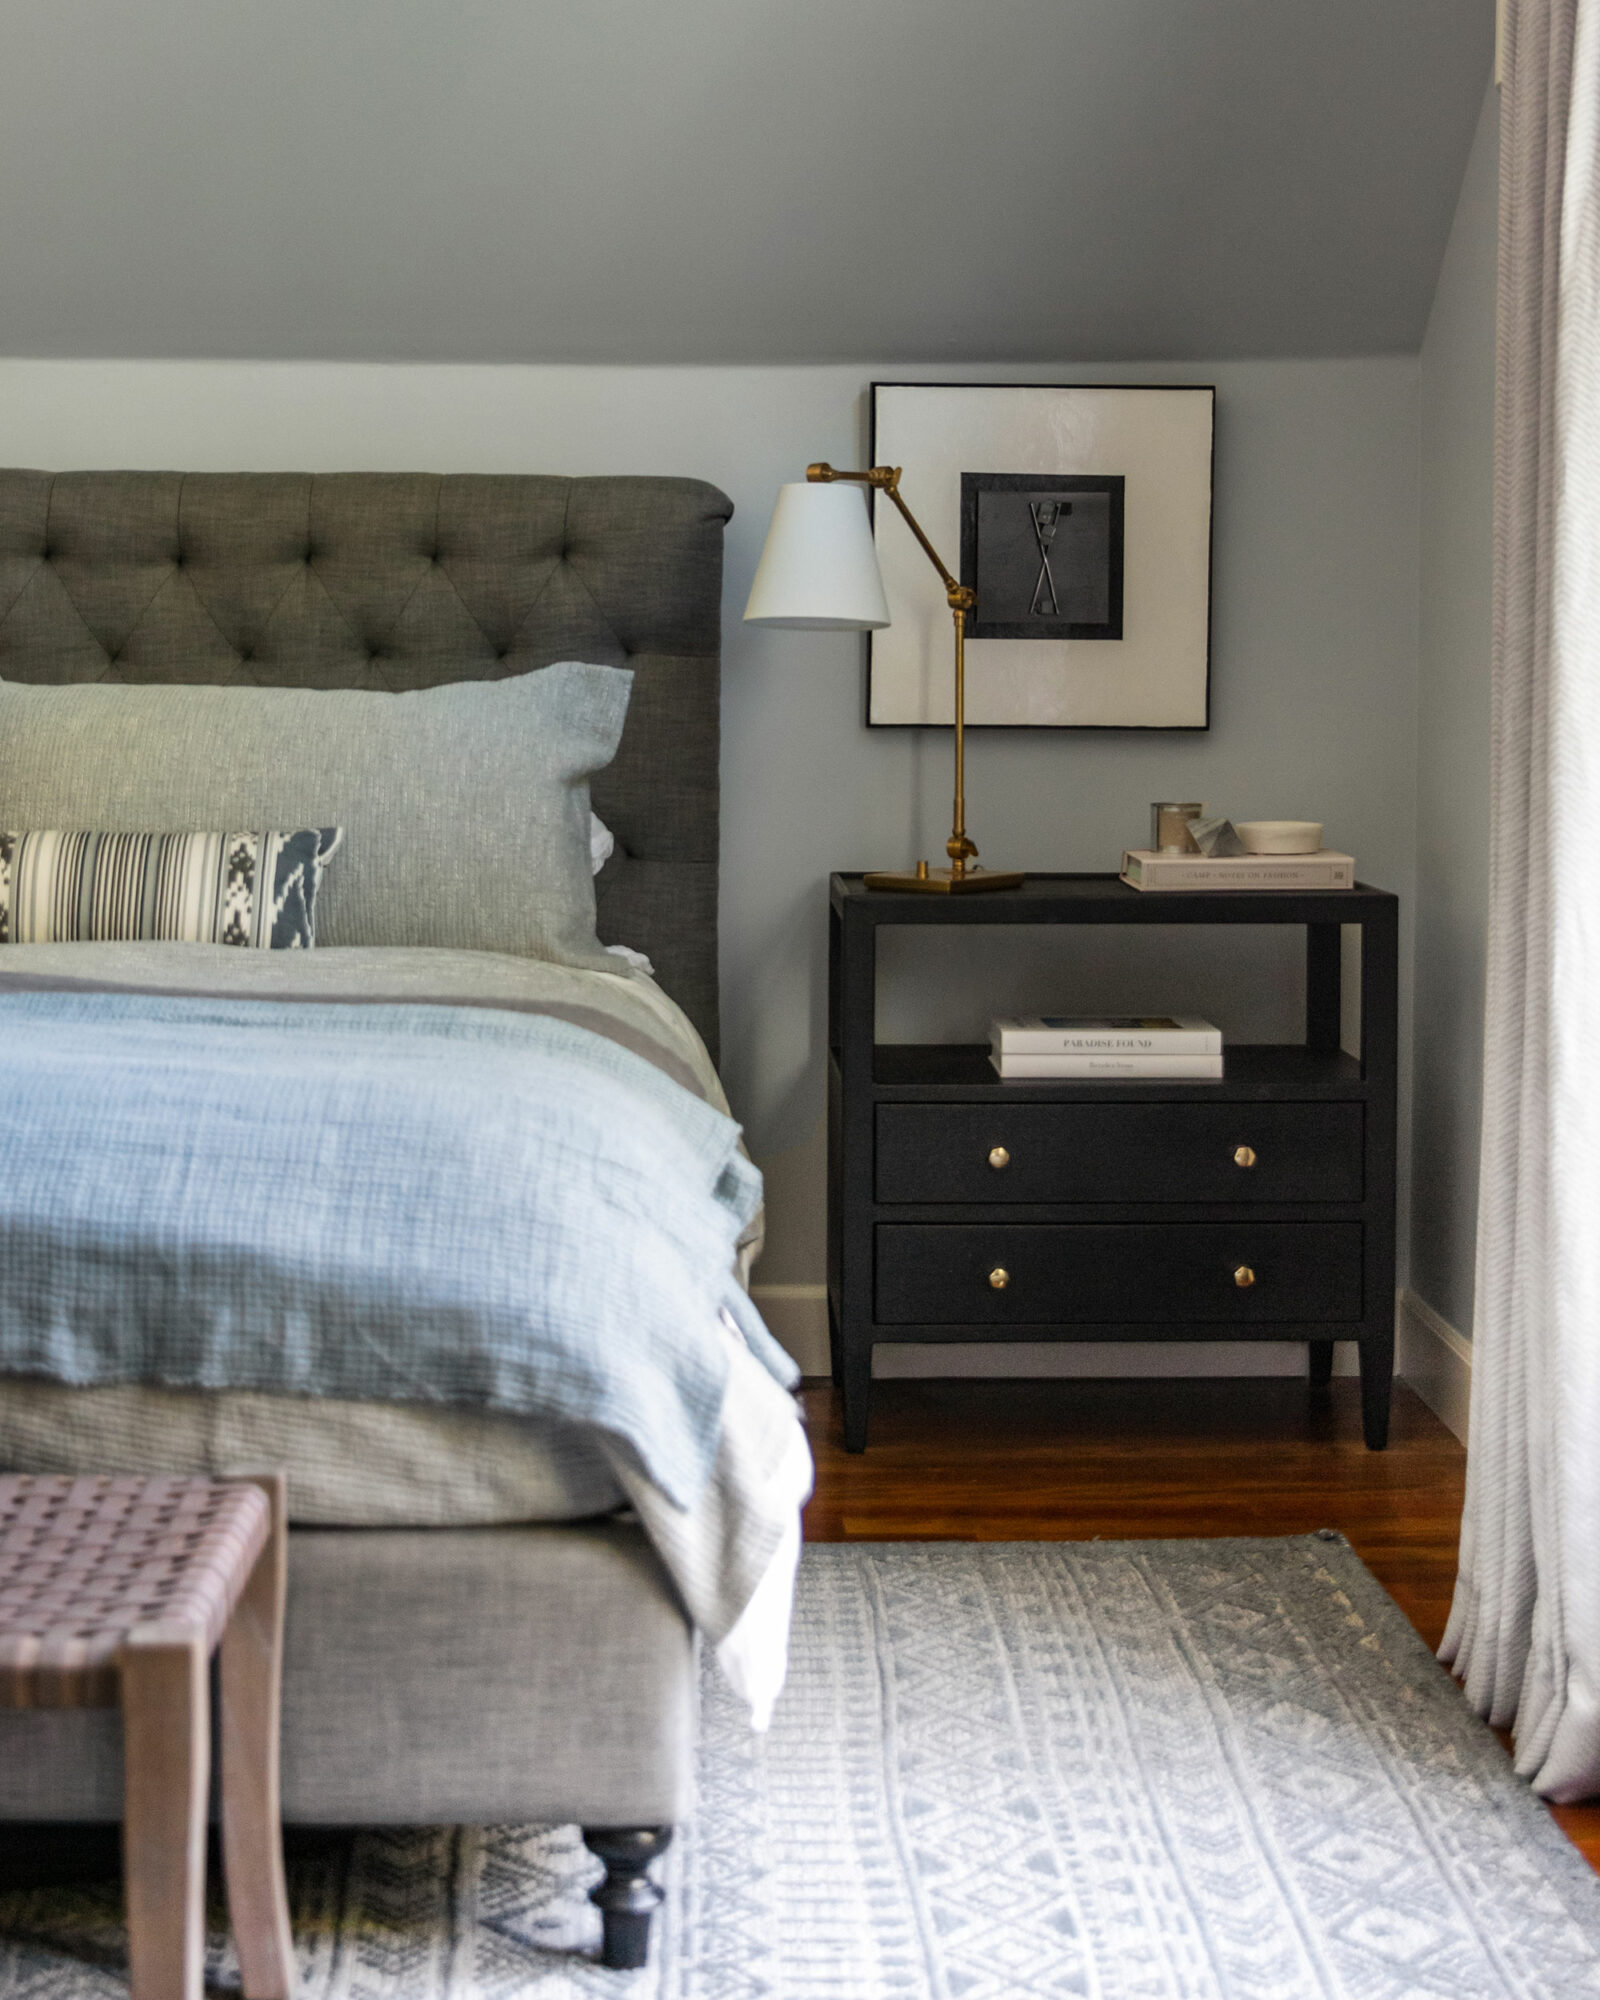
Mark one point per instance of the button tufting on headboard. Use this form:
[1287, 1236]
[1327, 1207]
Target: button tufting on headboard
[432, 579]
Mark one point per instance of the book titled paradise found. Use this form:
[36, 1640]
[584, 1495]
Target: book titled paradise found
[1107, 1034]
[1327, 869]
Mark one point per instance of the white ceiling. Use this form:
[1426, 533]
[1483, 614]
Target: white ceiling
[730, 180]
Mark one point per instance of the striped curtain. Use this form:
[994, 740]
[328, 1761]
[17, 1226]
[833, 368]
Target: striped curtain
[1524, 1630]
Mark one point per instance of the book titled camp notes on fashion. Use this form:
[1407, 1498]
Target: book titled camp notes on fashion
[1105, 1068]
[1108, 1034]
[1327, 869]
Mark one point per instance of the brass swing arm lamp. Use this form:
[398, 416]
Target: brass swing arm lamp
[821, 573]
[886, 479]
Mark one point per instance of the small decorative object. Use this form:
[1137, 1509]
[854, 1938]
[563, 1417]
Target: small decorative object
[1280, 836]
[1169, 828]
[1217, 837]
[819, 573]
[1083, 516]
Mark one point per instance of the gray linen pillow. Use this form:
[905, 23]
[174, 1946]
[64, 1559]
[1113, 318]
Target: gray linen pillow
[465, 808]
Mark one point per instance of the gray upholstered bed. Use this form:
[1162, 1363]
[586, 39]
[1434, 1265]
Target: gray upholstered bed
[474, 1675]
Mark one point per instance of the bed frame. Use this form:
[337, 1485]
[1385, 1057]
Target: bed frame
[471, 1676]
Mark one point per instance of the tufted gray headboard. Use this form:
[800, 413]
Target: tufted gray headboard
[407, 580]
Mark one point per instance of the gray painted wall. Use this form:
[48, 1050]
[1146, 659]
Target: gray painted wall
[1314, 649]
[730, 180]
[1453, 699]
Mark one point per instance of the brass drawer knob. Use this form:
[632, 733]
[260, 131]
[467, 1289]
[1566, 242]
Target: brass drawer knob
[1244, 1277]
[1244, 1156]
[999, 1157]
[999, 1277]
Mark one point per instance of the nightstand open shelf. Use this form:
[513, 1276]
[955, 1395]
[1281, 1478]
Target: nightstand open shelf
[1252, 1070]
[1257, 1206]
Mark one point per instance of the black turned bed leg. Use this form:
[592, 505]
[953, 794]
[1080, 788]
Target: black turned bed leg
[627, 1899]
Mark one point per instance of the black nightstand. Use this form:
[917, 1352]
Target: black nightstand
[1260, 1207]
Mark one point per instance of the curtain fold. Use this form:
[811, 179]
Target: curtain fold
[1524, 1630]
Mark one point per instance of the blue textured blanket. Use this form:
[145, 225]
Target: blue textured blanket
[386, 1203]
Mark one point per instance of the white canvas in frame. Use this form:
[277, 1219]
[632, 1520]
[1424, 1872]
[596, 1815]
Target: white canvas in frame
[1159, 441]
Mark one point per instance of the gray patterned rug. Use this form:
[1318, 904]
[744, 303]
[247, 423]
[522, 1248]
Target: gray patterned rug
[1128, 1771]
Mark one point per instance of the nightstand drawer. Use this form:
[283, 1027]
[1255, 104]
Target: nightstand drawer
[1029, 1274]
[1119, 1152]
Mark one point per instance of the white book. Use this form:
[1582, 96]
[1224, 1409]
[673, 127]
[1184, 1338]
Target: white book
[1073, 1034]
[1142, 868]
[1136, 1069]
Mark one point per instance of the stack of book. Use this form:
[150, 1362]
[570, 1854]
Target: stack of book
[1327, 869]
[1140, 1051]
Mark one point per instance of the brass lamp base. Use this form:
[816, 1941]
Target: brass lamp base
[943, 881]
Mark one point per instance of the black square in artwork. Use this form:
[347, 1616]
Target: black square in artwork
[1044, 554]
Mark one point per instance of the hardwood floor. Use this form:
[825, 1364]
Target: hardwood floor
[1061, 1460]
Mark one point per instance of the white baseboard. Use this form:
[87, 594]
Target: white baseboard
[1429, 1353]
[797, 1316]
[1435, 1360]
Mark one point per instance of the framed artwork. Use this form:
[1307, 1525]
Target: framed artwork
[1082, 518]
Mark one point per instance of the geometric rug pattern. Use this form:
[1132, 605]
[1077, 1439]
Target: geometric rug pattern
[1189, 1770]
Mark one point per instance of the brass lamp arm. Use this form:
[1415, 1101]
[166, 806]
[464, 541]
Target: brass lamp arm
[886, 479]
[962, 600]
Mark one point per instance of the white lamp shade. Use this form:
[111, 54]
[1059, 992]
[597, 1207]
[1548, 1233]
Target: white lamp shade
[819, 569]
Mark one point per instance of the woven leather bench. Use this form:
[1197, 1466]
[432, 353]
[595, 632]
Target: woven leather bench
[120, 1590]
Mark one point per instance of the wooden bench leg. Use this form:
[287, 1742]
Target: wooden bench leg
[252, 1839]
[166, 1732]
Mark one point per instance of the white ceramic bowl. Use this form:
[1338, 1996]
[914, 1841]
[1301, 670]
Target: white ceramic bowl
[1280, 836]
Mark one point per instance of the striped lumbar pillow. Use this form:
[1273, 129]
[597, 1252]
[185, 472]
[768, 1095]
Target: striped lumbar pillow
[256, 889]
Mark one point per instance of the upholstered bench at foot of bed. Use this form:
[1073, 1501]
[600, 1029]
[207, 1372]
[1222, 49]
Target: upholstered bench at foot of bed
[436, 1676]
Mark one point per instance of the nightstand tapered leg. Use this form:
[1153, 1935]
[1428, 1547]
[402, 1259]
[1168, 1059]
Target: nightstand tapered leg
[1377, 1378]
[1321, 1363]
[835, 1347]
[856, 1391]
[852, 1190]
